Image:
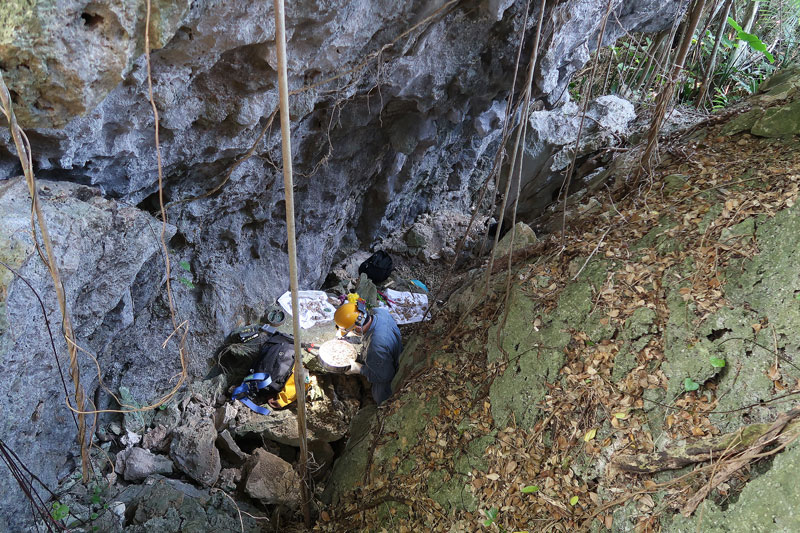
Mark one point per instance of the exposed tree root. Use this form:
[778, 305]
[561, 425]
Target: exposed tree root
[675, 457]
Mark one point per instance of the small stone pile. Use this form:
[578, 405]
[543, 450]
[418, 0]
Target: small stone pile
[199, 444]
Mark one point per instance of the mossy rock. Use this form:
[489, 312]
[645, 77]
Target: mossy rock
[535, 358]
[778, 121]
[742, 122]
[657, 238]
[535, 355]
[790, 74]
[767, 503]
[451, 492]
[350, 468]
[636, 334]
[674, 183]
[390, 511]
[405, 426]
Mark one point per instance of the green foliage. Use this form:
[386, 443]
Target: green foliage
[720, 100]
[491, 516]
[183, 279]
[59, 511]
[751, 39]
[690, 385]
[573, 501]
[530, 489]
[717, 362]
[96, 498]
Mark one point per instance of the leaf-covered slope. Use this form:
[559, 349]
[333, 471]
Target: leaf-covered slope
[671, 314]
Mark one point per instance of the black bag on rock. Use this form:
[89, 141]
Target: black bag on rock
[377, 267]
[277, 360]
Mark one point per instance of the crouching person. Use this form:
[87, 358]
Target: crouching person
[382, 345]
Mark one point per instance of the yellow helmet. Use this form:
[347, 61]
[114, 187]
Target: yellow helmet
[350, 314]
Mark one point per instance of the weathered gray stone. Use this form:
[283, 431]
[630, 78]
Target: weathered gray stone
[271, 480]
[156, 439]
[136, 464]
[102, 247]
[365, 164]
[229, 450]
[550, 145]
[229, 479]
[193, 450]
[224, 415]
[170, 506]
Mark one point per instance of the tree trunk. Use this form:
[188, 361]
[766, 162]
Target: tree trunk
[661, 65]
[655, 49]
[665, 97]
[709, 73]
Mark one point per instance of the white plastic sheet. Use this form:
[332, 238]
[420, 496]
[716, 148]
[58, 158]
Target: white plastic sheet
[314, 307]
[407, 307]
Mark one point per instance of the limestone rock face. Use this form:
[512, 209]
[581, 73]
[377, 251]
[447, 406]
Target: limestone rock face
[62, 57]
[102, 248]
[551, 143]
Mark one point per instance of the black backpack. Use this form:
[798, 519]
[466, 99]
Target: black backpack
[276, 358]
[377, 267]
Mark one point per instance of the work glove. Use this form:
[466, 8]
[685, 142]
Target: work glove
[355, 368]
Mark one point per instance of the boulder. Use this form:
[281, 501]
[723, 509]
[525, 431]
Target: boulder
[550, 145]
[229, 479]
[271, 480]
[194, 452]
[102, 247]
[136, 464]
[323, 455]
[778, 121]
[224, 415]
[170, 506]
[523, 236]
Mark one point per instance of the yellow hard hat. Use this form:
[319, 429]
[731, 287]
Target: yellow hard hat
[349, 315]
